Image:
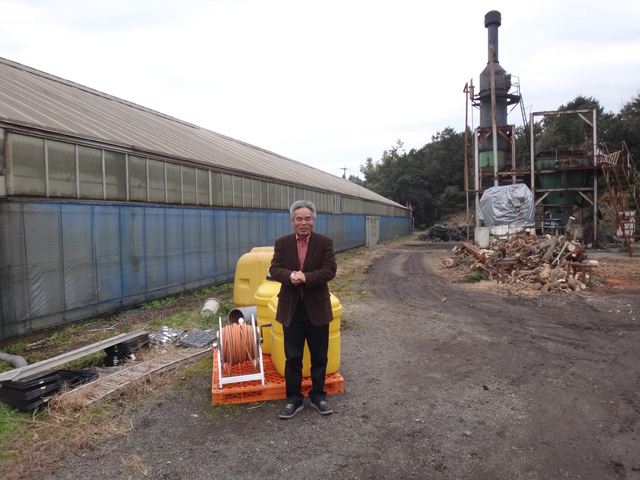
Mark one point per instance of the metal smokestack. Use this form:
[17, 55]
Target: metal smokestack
[492, 21]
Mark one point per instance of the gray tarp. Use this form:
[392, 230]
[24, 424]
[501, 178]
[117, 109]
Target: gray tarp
[507, 205]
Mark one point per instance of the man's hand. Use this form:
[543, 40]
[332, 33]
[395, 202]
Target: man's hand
[298, 278]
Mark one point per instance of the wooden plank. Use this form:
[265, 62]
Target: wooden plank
[108, 385]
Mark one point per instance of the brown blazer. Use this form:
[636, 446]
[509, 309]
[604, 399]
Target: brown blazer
[319, 268]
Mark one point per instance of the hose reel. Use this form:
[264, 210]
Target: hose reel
[239, 346]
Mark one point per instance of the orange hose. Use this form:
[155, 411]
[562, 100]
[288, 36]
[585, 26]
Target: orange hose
[238, 344]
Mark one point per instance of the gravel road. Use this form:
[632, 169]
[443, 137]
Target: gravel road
[443, 380]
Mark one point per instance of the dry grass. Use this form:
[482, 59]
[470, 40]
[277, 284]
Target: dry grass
[134, 464]
[66, 426]
[47, 440]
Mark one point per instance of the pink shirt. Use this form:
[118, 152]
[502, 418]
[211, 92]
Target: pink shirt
[303, 245]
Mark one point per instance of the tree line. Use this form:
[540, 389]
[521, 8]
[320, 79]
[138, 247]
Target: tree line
[430, 180]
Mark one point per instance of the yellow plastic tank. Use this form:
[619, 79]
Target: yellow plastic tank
[277, 340]
[251, 270]
[264, 294]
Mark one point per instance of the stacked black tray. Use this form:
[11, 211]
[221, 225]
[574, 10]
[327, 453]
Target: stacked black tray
[122, 351]
[30, 392]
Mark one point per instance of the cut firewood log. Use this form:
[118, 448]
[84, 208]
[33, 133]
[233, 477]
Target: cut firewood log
[521, 274]
[570, 229]
[547, 248]
[550, 286]
[573, 284]
[449, 263]
[545, 272]
[578, 254]
[474, 250]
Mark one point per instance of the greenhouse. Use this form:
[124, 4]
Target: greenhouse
[106, 204]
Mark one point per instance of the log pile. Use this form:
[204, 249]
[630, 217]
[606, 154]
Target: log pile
[547, 263]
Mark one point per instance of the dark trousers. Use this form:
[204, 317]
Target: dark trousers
[317, 338]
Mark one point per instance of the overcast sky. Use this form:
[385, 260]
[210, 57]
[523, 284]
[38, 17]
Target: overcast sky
[327, 83]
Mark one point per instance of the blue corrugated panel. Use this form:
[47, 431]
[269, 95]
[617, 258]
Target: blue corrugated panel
[157, 253]
[79, 272]
[134, 253]
[62, 261]
[108, 252]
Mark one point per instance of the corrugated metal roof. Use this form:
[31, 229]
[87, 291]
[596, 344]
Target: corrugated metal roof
[34, 98]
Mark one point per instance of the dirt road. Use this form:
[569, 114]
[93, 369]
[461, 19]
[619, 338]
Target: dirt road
[443, 380]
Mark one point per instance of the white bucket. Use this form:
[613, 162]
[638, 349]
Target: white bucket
[211, 306]
[481, 235]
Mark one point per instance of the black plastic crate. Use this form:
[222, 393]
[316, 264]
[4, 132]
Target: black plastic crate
[121, 352]
[31, 387]
[27, 405]
[30, 392]
[73, 378]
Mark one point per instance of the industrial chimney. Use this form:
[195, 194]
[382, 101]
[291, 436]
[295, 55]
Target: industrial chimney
[502, 85]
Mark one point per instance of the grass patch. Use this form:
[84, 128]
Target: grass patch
[203, 366]
[158, 303]
[475, 277]
[87, 362]
[8, 423]
[14, 347]
[221, 411]
[34, 357]
[213, 289]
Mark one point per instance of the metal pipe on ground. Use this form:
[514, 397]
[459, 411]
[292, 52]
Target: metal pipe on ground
[244, 313]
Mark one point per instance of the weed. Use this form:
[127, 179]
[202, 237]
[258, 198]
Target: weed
[213, 289]
[8, 423]
[475, 277]
[86, 362]
[5, 367]
[206, 322]
[225, 307]
[158, 303]
[180, 320]
[16, 347]
[65, 334]
[203, 366]
[34, 357]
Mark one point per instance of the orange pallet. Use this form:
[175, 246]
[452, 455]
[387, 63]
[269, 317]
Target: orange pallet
[253, 391]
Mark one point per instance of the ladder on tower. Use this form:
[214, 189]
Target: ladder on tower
[620, 173]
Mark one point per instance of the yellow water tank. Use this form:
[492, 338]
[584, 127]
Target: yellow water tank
[264, 294]
[277, 340]
[251, 270]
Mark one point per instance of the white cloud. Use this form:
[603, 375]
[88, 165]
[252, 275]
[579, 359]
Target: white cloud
[329, 83]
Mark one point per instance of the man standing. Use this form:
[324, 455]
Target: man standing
[304, 262]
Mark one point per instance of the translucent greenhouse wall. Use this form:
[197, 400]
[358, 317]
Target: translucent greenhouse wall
[65, 261]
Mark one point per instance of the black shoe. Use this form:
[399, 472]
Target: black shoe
[290, 409]
[323, 407]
